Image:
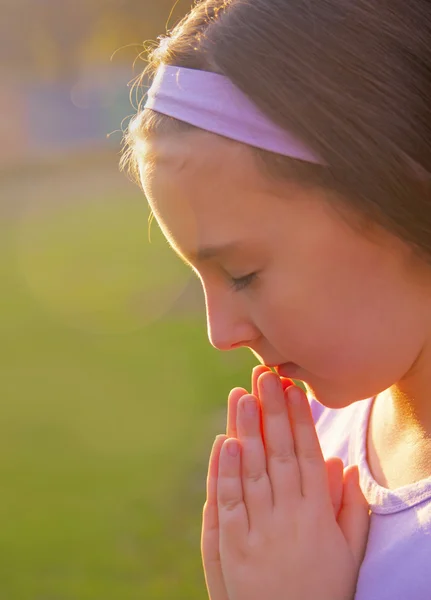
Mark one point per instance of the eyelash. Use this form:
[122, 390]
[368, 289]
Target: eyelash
[242, 282]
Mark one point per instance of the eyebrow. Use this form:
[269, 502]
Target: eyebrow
[209, 252]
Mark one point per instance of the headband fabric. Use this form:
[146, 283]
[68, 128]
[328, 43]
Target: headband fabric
[212, 102]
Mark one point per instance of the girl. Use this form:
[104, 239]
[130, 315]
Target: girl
[285, 150]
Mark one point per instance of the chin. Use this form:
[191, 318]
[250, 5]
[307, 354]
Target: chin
[332, 396]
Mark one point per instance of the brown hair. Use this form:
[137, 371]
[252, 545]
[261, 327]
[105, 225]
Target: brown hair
[352, 78]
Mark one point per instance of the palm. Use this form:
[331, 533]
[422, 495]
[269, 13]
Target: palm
[210, 531]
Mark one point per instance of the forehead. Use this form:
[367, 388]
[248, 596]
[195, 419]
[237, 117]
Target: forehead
[201, 186]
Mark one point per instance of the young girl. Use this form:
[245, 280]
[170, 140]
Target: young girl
[285, 150]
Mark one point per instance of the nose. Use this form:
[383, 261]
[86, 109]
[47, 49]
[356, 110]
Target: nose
[228, 323]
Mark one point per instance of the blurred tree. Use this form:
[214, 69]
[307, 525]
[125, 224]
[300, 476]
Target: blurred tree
[70, 25]
[15, 36]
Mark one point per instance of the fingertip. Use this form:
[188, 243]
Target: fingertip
[262, 375]
[334, 469]
[219, 440]
[232, 447]
[335, 465]
[286, 383]
[215, 455]
[256, 373]
[229, 455]
[216, 448]
[262, 384]
[352, 482]
[259, 369]
[234, 397]
[237, 391]
[218, 443]
[351, 476]
[354, 518]
[298, 404]
[295, 395]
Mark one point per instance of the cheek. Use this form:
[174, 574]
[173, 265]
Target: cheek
[349, 324]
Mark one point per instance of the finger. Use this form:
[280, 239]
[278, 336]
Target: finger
[256, 373]
[255, 480]
[285, 383]
[215, 582]
[213, 466]
[354, 518]
[314, 481]
[334, 470]
[232, 512]
[232, 409]
[210, 544]
[282, 464]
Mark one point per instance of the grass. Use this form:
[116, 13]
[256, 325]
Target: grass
[109, 405]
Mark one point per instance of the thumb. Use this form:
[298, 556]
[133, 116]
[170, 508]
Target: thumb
[354, 518]
[334, 471]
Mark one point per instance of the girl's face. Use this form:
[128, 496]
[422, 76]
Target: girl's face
[282, 272]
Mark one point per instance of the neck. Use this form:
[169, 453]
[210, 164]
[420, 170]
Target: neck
[408, 403]
[399, 433]
[399, 436]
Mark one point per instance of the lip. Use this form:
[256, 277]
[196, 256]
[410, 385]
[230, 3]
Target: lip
[288, 369]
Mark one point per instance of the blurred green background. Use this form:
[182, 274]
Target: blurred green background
[110, 392]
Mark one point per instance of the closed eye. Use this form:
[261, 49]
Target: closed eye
[242, 282]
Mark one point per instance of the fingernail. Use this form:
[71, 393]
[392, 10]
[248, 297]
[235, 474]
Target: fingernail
[233, 448]
[250, 407]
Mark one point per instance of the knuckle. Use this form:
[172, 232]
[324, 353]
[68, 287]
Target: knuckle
[311, 454]
[230, 504]
[282, 454]
[255, 476]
